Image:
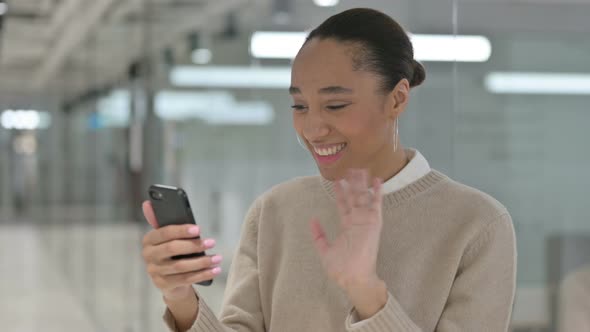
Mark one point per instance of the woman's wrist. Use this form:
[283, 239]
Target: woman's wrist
[180, 294]
[368, 296]
[184, 309]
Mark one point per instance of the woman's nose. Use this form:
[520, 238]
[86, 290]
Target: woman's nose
[315, 126]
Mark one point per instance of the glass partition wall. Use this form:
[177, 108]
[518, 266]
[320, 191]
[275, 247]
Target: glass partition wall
[175, 94]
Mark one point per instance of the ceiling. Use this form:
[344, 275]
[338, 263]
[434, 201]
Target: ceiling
[70, 44]
[46, 43]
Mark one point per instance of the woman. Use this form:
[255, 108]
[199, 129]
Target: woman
[419, 252]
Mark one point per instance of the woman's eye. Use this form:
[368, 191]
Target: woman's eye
[298, 107]
[335, 107]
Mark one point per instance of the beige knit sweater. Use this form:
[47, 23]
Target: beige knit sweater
[447, 255]
[574, 301]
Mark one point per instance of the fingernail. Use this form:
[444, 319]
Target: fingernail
[209, 243]
[193, 230]
[216, 270]
[216, 259]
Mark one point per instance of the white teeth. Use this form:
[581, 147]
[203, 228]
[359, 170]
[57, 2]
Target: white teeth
[330, 151]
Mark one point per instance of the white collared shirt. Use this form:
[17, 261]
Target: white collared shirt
[413, 171]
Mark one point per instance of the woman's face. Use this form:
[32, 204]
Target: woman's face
[340, 113]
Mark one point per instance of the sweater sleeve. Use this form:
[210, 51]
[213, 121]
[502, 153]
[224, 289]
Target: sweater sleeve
[482, 294]
[391, 317]
[241, 309]
[574, 303]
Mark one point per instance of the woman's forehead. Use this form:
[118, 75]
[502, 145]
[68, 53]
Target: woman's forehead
[327, 64]
[324, 53]
[322, 58]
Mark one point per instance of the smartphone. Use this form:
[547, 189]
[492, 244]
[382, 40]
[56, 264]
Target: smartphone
[171, 207]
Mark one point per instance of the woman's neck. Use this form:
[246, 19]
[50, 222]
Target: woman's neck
[391, 164]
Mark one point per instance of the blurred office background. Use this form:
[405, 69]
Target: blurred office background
[100, 98]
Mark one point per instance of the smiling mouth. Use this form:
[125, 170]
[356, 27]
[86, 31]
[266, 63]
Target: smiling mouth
[329, 151]
[327, 155]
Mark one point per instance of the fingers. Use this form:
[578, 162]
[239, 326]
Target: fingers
[164, 251]
[185, 279]
[148, 212]
[169, 233]
[359, 196]
[167, 273]
[354, 192]
[358, 180]
[168, 277]
[160, 244]
[341, 192]
[377, 193]
[180, 266]
[319, 236]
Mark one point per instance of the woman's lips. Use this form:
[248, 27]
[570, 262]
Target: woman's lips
[329, 154]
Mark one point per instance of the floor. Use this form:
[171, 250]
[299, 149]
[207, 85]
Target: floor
[79, 273]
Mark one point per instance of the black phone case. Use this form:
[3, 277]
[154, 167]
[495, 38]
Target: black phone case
[173, 208]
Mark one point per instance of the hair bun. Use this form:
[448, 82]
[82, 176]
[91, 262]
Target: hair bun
[419, 74]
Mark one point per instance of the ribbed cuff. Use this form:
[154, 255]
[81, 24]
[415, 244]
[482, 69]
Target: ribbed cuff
[206, 320]
[391, 318]
[169, 320]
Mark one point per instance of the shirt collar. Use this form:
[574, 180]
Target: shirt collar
[416, 168]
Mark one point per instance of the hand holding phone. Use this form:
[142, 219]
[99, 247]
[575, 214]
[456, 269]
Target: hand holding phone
[171, 207]
[174, 252]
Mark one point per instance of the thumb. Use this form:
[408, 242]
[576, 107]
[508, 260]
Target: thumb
[148, 212]
[319, 237]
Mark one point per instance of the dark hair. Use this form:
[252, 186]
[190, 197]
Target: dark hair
[380, 45]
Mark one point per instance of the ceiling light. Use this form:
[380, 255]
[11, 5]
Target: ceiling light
[242, 113]
[178, 105]
[213, 107]
[231, 77]
[538, 83]
[442, 48]
[20, 119]
[3, 8]
[201, 56]
[326, 3]
[276, 45]
[450, 48]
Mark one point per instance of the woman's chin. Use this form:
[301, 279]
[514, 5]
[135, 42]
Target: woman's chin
[331, 174]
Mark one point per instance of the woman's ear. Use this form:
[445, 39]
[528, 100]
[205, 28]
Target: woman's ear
[401, 95]
[398, 98]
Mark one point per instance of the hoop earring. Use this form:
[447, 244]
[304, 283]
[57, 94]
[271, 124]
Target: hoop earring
[396, 136]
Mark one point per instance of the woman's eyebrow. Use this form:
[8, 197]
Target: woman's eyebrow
[327, 90]
[335, 90]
